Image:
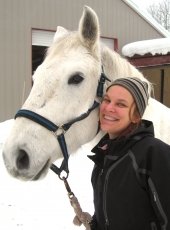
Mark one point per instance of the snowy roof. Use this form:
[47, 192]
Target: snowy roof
[154, 46]
[143, 13]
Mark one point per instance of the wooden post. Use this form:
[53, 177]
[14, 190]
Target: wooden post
[162, 86]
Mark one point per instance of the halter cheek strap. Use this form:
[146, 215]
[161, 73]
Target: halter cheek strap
[101, 83]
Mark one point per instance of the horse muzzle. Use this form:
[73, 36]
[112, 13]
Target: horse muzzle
[24, 169]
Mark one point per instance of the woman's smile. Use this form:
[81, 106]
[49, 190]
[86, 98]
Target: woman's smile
[110, 118]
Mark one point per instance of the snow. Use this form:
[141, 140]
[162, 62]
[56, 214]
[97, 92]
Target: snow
[141, 10]
[154, 46]
[44, 204]
[147, 3]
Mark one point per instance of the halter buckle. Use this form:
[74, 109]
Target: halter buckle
[59, 131]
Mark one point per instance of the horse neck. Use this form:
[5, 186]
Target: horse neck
[116, 66]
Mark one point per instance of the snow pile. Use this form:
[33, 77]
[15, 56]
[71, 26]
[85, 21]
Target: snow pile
[159, 46]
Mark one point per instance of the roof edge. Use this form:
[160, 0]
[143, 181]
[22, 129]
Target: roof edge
[143, 13]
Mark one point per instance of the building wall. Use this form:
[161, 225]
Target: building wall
[18, 17]
[153, 74]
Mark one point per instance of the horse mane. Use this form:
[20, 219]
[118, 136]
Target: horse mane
[115, 66]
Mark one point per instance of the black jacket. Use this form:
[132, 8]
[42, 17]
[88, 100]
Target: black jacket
[131, 182]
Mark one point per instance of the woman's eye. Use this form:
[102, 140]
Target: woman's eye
[121, 105]
[106, 100]
[75, 79]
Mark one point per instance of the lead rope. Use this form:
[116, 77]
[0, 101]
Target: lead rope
[81, 217]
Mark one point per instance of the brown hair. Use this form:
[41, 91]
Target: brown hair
[135, 121]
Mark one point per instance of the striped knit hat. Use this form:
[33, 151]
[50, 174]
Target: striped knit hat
[138, 89]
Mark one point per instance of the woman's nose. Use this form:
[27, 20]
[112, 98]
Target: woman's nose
[110, 107]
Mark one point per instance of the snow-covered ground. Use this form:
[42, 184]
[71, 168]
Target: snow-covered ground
[44, 204]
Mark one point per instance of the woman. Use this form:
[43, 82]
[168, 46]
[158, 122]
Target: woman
[131, 177]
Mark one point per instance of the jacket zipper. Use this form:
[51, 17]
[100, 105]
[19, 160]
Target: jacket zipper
[106, 187]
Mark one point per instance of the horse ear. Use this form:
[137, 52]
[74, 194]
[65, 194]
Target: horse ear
[89, 27]
[61, 31]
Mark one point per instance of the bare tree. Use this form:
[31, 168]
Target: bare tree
[161, 13]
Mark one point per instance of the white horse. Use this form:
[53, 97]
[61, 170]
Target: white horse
[64, 90]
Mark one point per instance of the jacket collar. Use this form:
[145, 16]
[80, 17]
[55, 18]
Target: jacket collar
[119, 146]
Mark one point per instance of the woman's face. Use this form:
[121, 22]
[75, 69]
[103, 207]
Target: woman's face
[116, 110]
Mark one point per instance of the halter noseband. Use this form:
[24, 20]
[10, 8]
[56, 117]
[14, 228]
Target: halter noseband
[54, 129]
[59, 131]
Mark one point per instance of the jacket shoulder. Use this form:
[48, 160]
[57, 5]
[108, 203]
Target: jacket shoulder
[151, 153]
[152, 143]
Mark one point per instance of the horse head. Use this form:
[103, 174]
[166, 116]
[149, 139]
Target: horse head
[64, 89]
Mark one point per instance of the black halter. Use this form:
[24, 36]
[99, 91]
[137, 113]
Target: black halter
[59, 131]
[55, 129]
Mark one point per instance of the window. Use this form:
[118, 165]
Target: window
[41, 40]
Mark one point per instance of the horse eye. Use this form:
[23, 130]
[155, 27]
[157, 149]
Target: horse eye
[75, 79]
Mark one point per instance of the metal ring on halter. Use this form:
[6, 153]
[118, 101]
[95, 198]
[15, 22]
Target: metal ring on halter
[59, 131]
[62, 177]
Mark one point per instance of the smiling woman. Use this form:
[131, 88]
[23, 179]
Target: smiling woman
[123, 106]
[125, 179]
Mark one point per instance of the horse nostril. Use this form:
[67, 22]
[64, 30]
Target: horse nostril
[22, 161]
